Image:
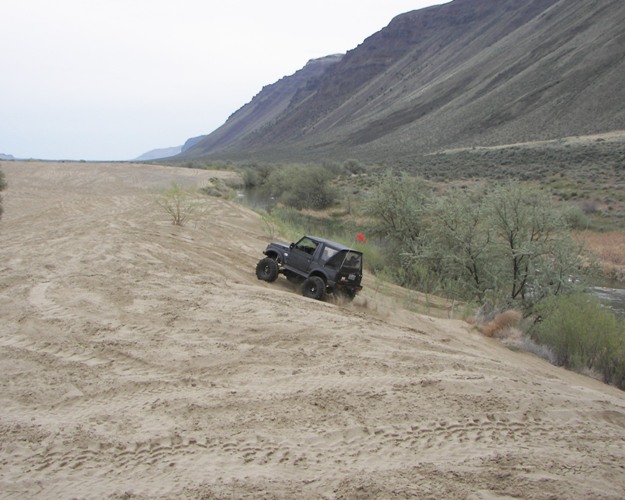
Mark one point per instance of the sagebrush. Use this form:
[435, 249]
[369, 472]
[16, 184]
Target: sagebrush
[582, 334]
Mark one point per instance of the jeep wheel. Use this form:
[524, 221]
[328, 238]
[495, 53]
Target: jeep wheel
[267, 270]
[314, 288]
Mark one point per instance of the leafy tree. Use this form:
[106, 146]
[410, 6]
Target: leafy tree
[505, 245]
[254, 175]
[502, 245]
[535, 254]
[397, 208]
[458, 242]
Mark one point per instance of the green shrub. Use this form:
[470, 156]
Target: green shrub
[396, 210]
[219, 188]
[353, 167]
[583, 334]
[508, 244]
[251, 178]
[576, 218]
[301, 187]
[616, 371]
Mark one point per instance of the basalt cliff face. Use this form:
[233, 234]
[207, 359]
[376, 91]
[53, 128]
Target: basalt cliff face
[467, 73]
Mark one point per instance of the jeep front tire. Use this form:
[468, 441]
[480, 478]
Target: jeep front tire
[267, 270]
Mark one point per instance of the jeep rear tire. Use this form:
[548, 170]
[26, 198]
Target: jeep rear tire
[267, 270]
[314, 288]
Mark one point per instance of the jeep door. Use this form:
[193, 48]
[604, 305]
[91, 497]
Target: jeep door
[301, 255]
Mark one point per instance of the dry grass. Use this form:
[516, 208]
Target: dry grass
[609, 248]
[502, 324]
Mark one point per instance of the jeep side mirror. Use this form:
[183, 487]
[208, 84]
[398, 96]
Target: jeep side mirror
[291, 246]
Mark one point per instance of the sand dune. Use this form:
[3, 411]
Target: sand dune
[143, 360]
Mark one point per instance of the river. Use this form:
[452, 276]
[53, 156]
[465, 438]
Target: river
[614, 298]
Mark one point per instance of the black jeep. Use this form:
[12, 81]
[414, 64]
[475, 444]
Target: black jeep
[319, 265]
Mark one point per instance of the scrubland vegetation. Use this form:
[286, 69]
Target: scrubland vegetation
[609, 248]
[582, 335]
[476, 228]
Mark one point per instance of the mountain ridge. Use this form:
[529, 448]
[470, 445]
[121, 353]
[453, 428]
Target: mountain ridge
[266, 106]
[461, 74]
[159, 153]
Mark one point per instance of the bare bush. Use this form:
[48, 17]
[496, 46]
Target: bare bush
[179, 204]
[503, 322]
[542, 351]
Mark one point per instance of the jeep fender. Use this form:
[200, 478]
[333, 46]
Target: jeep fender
[321, 274]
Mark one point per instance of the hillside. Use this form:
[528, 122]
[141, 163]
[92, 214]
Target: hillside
[468, 73]
[143, 360]
[270, 103]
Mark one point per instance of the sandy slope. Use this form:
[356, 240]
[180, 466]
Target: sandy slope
[142, 360]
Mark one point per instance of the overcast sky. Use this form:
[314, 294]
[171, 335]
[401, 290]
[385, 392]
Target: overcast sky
[112, 79]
